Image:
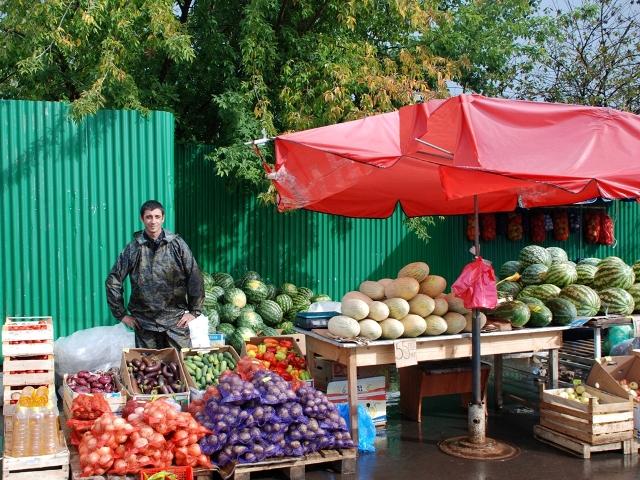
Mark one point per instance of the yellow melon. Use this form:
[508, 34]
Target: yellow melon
[373, 290]
[417, 270]
[404, 287]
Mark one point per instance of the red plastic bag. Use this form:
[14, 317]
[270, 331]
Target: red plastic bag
[607, 236]
[476, 285]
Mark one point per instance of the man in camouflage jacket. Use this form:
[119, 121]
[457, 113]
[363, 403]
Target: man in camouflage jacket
[167, 289]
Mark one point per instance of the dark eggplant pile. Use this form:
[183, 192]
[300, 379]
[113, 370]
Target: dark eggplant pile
[153, 376]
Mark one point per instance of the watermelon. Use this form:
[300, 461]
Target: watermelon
[223, 280]
[213, 319]
[300, 302]
[509, 288]
[249, 319]
[590, 261]
[229, 313]
[585, 272]
[611, 260]
[307, 292]
[286, 327]
[616, 301]
[509, 268]
[255, 290]
[584, 298]
[531, 301]
[289, 288]
[613, 274]
[558, 255]
[209, 299]
[238, 338]
[207, 281]
[235, 296]
[564, 311]
[534, 274]
[515, 311]
[544, 292]
[285, 302]
[321, 297]
[226, 329]
[270, 312]
[634, 291]
[266, 331]
[561, 275]
[636, 269]
[250, 275]
[539, 315]
[532, 254]
[271, 291]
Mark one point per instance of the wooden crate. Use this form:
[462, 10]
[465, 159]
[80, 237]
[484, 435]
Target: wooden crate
[19, 371]
[342, 461]
[41, 467]
[116, 400]
[579, 448]
[609, 421]
[12, 395]
[20, 339]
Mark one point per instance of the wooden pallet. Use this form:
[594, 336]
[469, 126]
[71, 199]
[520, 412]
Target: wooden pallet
[342, 461]
[39, 467]
[578, 447]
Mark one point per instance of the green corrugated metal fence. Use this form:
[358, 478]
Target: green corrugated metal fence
[229, 231]
[69, 195]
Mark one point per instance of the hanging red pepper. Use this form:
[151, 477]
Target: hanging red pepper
[607, 236]
[561, 225]
[488, 224]
[538, 232]
[514, 227]
[594, 223]
[471, 228]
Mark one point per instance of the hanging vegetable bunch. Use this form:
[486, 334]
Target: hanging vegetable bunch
[538, 230]
[561, 225]
[574, 221]
[607, 236]
[514, 227]
[471, 228]
[488, 224]
[594, 223]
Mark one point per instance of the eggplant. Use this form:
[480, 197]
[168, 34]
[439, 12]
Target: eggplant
[146, 361]
[151, 375]
[174, 368]
[161, 380]
[176, 387]
[166, 371]
[136, 362]
[164, 389]
[154, 367]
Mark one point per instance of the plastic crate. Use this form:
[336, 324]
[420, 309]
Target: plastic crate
[181, 473]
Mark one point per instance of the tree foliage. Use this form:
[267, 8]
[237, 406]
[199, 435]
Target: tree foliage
[229, 70]
[591, 57]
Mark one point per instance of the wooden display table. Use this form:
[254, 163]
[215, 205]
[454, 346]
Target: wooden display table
[442, 347]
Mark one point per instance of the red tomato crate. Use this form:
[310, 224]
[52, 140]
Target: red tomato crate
[181, 473]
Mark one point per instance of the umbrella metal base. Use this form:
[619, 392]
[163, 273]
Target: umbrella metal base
[490, 449]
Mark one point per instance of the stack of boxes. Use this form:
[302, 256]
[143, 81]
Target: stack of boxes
[27, 346]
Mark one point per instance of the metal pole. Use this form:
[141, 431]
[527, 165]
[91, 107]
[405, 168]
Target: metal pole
[476, 418]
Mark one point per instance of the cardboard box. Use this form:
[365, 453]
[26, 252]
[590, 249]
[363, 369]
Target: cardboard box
[188, 352]
[167, 354]
[297, 340]
[606, 373]
[116, 400]
[325, 371]
[371, 393]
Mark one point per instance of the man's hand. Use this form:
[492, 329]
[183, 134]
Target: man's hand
[184, 321]
[130, 321]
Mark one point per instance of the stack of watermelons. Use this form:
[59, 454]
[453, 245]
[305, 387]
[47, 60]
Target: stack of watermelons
[551, 289]
[249, 306]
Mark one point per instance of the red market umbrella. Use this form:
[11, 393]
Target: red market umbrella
[466, 154]
[433, 158]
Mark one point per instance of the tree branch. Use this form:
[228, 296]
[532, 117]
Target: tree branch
[314, 18]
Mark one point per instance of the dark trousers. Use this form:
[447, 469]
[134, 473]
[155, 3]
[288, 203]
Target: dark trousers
[177, 338]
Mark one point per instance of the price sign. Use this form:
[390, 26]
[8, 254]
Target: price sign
[405, 351]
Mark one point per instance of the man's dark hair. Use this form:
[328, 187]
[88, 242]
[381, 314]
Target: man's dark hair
[151, 205]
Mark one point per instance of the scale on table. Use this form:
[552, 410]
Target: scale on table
[311, 320]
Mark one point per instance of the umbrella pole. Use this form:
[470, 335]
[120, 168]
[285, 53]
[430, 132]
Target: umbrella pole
[475, 445]
[476, 417]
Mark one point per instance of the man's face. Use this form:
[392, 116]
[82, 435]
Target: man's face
[153, 220]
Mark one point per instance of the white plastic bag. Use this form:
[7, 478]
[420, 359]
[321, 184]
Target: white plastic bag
[199, 332]
[325, 307]
[98, 348]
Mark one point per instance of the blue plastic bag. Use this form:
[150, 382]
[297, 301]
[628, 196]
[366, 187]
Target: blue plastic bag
[366, 428]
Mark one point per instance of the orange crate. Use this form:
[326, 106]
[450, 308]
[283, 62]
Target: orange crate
[182, 473]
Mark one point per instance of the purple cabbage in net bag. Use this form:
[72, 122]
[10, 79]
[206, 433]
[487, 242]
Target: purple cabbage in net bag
[290, 412]
[314, 403]
[212, 443]
[294, 448]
